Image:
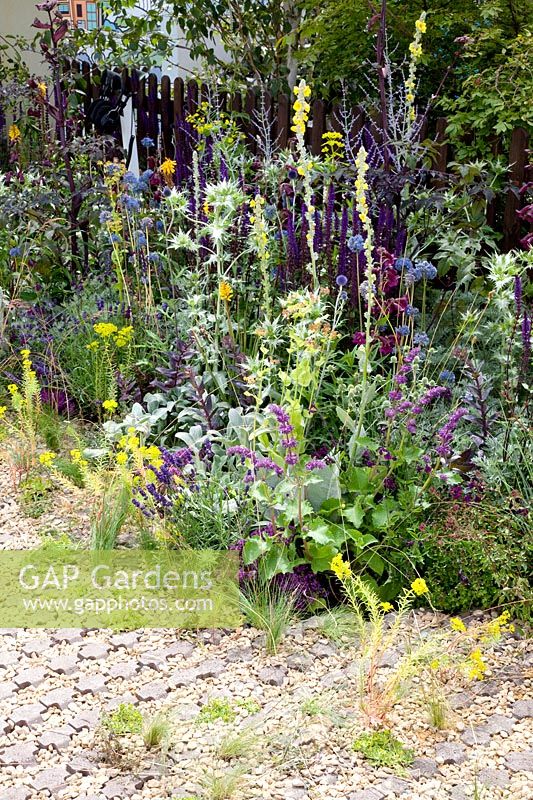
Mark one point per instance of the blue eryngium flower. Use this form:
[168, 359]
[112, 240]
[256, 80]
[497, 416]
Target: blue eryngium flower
[15, 252]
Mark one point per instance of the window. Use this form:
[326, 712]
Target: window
[81, 24]
[79, 10]
[92, 16]
[64, 8]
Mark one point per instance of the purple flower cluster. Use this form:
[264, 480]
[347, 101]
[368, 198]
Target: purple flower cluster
[445, 434]
[288, 442]
[257, 462]
[407, 366]
[302, 584]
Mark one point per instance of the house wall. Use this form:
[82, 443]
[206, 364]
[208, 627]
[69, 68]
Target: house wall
[16, 17]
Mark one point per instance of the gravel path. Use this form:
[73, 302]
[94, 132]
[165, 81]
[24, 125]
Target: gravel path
[56, 685]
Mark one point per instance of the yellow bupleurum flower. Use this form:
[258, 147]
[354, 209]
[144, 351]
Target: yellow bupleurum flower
[12, 388]
[168, 168]
[419, 587]
[387, 606]
[477, 666]
[457, 624]
[225, 292]
[340, 568]
[105, 329]
[14, 133]
[47, 458]
[121, 458]
[110, 405]
[3, 410]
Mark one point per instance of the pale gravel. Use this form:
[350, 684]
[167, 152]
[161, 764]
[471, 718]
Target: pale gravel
[297, 757]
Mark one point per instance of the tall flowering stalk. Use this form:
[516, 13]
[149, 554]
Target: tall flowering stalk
[361, 188]
[305, 165]
[260, 242]
[415, 49]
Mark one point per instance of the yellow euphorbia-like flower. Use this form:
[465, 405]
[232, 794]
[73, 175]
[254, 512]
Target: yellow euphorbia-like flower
[3, 410]
[419, 587]
[340, 568]
[121, 458]
[47, 458]
[478, 667]
[105, 329]
[457, 624]
[110, 405]
[387, 606]
[12, 388]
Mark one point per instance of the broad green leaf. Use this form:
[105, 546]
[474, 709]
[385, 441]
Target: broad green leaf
[254, 548]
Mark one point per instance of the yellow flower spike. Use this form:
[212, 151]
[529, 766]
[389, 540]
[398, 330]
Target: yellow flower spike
[12, 388]
[341, 568]
[121, 458]
[419, 587]
[46, 459]
[14, 134]
[225, 292]
[168, 168]
[420, 25]
[3, 410]
[25, 353]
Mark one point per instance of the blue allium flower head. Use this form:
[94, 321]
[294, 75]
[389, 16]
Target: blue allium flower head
[270, 212]
[15, 252]
[447, 376]
[356, 243]
[147, 142]
[421, 339]
[343, 295]
[426, 269]
[403, 330]
[155, 258]
[402, 264]
[141, 239]
[341, 280]
[159, 225]
[412, 311]
[292, 173]
[105, 216]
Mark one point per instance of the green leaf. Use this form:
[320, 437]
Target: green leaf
[383, 514]
[373, 562]
[355, 514]
[320, 556]
[254, 548]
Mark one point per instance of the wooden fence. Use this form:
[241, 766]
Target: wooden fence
[161, 106]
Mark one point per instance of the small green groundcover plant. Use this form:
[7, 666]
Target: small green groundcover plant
[383, 749]
[125, 720]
